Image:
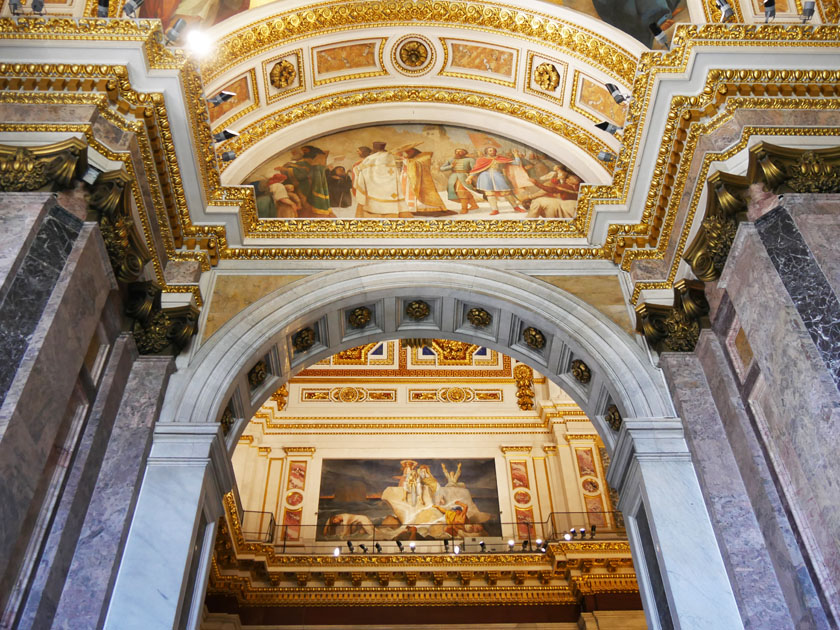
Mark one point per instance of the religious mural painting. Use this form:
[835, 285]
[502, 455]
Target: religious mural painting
[414, 171]
[634, 17]
[202, 13]
[408, 499]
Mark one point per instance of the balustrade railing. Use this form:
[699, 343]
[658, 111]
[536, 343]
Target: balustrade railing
[353, 535]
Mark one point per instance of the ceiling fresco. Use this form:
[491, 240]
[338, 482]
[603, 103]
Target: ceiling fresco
[414, 171]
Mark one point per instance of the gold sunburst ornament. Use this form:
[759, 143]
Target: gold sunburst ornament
[547, 77]
[414, 53]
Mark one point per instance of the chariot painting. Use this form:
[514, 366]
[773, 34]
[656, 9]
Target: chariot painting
[408, 499]
[414, 171]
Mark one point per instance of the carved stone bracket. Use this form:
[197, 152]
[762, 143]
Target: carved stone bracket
[110, 200]
[27, 169]
[675, 328]
[158, 330]
[524, 376]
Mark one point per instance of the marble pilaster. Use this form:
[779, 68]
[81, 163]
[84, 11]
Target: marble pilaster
[44, 591]
[37, 403]
[669, 529]
[757, 590]
[795, 401]
[95, 562]
[187, 472]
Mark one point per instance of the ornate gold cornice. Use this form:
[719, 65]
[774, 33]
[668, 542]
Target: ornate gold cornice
[516, 449]
[334, 16]
[299, 450]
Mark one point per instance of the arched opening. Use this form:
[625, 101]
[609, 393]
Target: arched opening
[534, 323]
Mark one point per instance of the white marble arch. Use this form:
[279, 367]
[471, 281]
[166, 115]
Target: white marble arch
[651, 468]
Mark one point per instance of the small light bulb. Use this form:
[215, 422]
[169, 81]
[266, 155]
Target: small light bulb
[457, 550]
[336, 551]
[567, 536]
[198, 42]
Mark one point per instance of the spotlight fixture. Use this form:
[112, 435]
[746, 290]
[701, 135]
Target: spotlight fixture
[412, 545]
[618, 97]
[174, 33]
[224, 134]
[657, 33]
[582, 533]
[38, 7]
[808, 8]
[219, 98]
[227, 156]
[337, 552]
[14, 6]
[567, 536]
[363, 548]
[350, 545]
[510, 545]
[445, 545]
[400, 546]
[102, 9]
[378, 547]
[198, 42]
[483, 546]
[606, 156]
[131, 7]
[573, 532]
[592, 532]
[457, 550]
[524, 545]
[608, 127]
[726, 11]
[544, 546]
[769, 10]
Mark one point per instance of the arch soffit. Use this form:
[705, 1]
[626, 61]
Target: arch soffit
[217, 371]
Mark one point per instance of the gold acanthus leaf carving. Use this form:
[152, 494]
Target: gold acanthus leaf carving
[22, 172]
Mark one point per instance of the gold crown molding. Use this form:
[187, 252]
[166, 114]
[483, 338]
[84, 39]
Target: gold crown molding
[328, 17]
[515, 449]
[588, 437]
[299, 450]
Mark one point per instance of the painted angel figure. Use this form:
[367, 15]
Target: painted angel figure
[452, 477]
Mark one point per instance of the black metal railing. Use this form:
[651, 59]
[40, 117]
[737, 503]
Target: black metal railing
[362, 536]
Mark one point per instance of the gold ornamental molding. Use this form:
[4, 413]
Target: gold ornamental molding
[516, 449]
[299, 450]
[329, 17]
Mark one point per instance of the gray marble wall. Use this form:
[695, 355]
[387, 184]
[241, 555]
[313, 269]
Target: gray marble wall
[766, 382]
[77, 407]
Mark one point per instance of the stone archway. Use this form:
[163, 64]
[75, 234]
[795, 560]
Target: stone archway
[189, 466]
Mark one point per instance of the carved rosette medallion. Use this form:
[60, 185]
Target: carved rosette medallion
[613, 418]
[226, 420]
[282, 74]
[547, 77]
[257, 374]
[533, 338]
[303, 339]
[417, 310]
[413, 55]
[581, 371]
[479, 318]
[359, 317]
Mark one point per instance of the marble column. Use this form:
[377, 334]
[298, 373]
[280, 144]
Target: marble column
[682, 578]
[163, 571]
[742, 543]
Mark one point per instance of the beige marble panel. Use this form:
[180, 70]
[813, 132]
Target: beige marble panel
[602, 292]
[233, 293]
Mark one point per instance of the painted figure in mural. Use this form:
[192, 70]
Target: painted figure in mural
[265, 204]
[558, 199]
[488, 176]
[199, 12]
[363, 152]
[456, 520]
[452, 476]
[457, 188]
[340, 184]
[634, 17]
[286, 203]
[430, 485]
[378, 185]
[348, 526]
[416, 182]
[318, 193]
